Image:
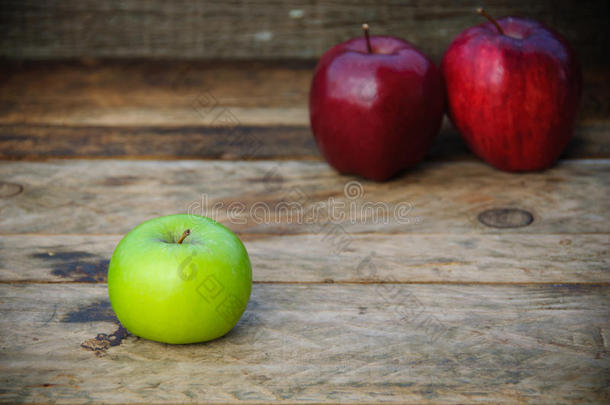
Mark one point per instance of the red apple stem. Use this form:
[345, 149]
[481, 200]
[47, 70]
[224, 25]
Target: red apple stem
[365, 28]
[491, 19]
[184, 235]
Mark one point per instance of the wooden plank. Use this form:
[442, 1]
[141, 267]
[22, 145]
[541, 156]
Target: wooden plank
[267, 29]
[163, 93]
[26, 141]
[321, 343]
[163, 110]
[366, 258]
[174, 93]
[287, 197]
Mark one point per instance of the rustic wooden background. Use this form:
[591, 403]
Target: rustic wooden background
[268, 29]
[113, 112]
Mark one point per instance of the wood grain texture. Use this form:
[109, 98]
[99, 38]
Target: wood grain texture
[267, 29]
[38, 142]
[219, 110]
[368, 258]
[175, 93]
[170, 93]
[321, 343]
[288, 197]
[435, 307]
[247, 142]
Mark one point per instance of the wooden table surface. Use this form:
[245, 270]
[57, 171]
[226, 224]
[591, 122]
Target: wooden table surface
[492, 287]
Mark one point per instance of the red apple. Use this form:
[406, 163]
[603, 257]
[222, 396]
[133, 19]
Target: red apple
[375, 106]
[513, 89]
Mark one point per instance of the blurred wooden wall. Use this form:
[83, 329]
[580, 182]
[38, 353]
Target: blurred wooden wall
[268, 29]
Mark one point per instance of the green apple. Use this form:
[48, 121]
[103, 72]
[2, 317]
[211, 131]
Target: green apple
[179, 279]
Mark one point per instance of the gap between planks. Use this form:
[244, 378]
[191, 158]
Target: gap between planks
[379, 282]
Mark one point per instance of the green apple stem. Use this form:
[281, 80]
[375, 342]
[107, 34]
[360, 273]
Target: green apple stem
[365, 28]
[184, 235]
[491, 19]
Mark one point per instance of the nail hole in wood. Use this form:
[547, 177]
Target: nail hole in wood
[505, 218]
